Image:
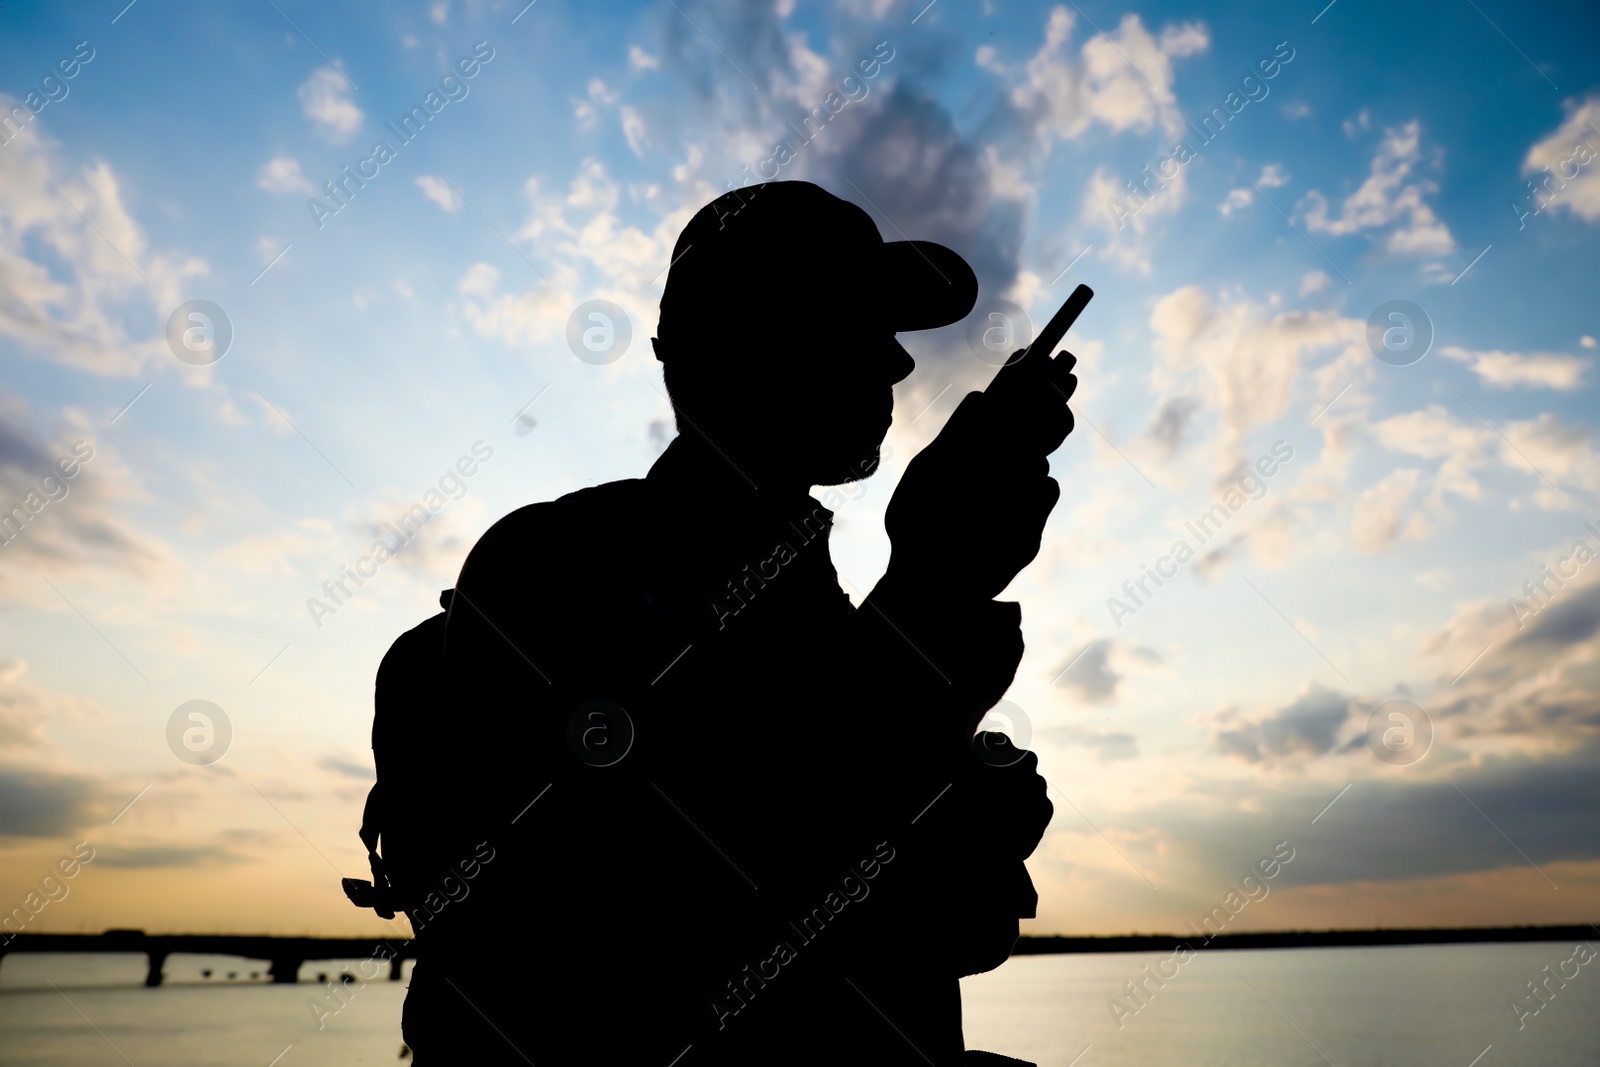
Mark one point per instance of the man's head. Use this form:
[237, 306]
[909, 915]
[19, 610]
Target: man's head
[778, 322]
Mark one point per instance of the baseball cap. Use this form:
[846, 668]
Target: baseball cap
[778, 255]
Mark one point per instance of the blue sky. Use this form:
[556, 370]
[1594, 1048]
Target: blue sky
[372, 351]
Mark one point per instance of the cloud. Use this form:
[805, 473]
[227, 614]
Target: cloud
[281, 174]
[639, 59]
[1384, 515]
[439, 191]
[1574, 185]
[325, 100]
[1108, 746]
[169, 857]
[1236, 200]
[348, 768]
[1250, 356]
[1308, 726]
[1434, 433]
[43, 803]
[81, 285]
[1568, 621]
[1521, 671]
[633, 129]
[25, 708]
[1272, 177]
[1128, 223]
[1549, 447]
[1089, 673]
[1171, 422]
[1121, 80]
[1391, 196]
[1391, 828]
[58, 524]
[1508, 370]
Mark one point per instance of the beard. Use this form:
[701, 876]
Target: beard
[859, 465]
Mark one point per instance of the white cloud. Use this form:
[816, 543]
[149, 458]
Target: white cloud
[1586, 341]
[325, 100]
[1251, 357]
[1547, 447]
[1064, 95]
[1573, 185]
[1536, 370]
[1390, 195]
[1128, 226]
[1236, 200]
[438, 190]
[1539, 448]
[1385, 514]
[1295, 110]
[439, 12]
[639, 59]
[1433, 433]
[282, 174]
[633, 129]
[82, 286]
[1314, 281]
[1435, 580]
[1271, 177]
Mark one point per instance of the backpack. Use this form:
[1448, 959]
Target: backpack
[404, 693]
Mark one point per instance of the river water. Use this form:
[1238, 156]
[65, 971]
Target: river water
[1448, 1005]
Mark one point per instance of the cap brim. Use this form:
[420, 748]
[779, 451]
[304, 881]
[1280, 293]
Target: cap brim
[924, 285]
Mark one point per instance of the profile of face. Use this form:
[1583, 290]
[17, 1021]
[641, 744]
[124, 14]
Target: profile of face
[806, 404]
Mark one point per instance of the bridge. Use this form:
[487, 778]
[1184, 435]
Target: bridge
[284, 955]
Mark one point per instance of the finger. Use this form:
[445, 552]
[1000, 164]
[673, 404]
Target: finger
[1064, 364]
[1049, 494]
[1027, 368]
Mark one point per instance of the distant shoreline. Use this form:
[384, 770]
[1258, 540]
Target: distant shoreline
[1028, 945]
[1049, 944]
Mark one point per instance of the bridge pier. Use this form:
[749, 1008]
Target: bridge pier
[152, 977]
[285, 971]
[395, 963]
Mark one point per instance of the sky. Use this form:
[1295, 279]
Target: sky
[1378, 647]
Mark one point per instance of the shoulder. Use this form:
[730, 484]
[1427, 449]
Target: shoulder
[581, 523]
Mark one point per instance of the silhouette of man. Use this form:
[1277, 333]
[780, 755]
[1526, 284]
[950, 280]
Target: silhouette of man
[728, 816]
